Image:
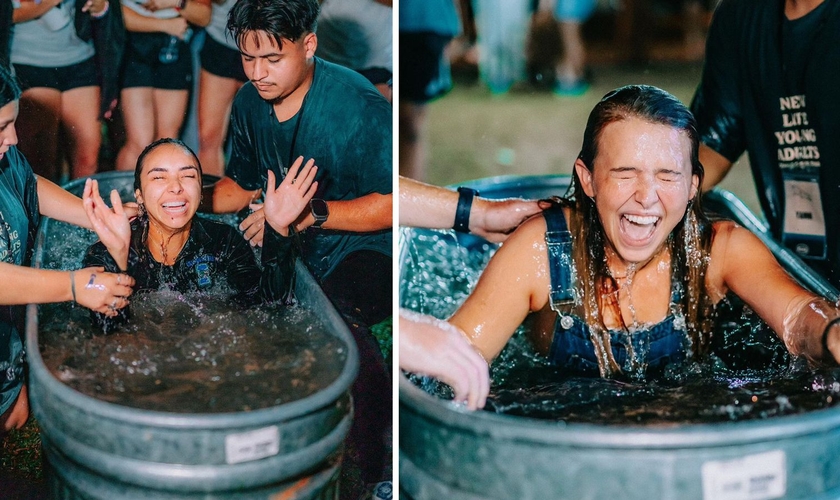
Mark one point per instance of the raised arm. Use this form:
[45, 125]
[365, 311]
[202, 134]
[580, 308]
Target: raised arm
[797, 316]
[515, 282]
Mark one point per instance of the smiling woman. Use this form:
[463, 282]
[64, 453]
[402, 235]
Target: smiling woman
[168, 246]
[624, 274]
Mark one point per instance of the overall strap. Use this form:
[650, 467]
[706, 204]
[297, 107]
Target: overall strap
[559, 243]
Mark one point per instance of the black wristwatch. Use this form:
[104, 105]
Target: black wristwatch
[319, 210]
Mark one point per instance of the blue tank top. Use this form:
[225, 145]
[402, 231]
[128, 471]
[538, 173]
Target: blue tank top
[572, 348]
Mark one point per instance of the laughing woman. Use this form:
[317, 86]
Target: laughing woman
[624, 274]
[168, 246]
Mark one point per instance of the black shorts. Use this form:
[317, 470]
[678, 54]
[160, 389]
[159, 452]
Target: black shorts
[221, 60]
[142, 66]
[424, 71]
[65, 78]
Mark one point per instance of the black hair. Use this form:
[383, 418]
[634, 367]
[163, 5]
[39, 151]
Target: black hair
[279, 19]
[9, 89]
[151, 147]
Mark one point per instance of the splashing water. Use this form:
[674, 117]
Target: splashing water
[749, 375]
[185, 353]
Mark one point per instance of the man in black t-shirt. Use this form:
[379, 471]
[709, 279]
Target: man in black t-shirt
[769, 88]
[296, 104]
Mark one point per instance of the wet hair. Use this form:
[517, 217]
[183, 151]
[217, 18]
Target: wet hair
[690, 240]
[138, 169]
[289, 19]
[9, 89]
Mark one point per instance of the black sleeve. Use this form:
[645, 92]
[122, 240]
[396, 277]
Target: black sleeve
[278, 258]
[243, 273]
[98, 256]
[717, 102]
[243, 166]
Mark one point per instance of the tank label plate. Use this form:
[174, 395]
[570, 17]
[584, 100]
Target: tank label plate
[754, 477]
[253, 445]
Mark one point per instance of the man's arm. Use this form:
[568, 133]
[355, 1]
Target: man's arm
[715, 165]
[228, 197]
[371, 212]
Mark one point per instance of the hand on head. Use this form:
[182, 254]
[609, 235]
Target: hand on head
[439, 349]
[102, 292]
[285, 203]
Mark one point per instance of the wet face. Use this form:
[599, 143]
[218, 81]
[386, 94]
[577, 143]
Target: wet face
[170, 187]
[8, 135]
[641, 183]
[276, 72]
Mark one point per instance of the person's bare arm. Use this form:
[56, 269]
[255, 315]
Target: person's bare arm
[57, 203]
[424, 205]
[371, 212]
[195, 11]
[515, 282]
[228, 197]
[715, 165]
[30, 10]
[750, 270]
[176, 26]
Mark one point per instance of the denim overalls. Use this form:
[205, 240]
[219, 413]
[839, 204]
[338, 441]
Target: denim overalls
[571, 348]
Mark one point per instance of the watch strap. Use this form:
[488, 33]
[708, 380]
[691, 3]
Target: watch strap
[462, 212]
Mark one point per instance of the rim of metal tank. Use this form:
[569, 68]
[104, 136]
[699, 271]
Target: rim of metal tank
[509, 427]
[285, 411]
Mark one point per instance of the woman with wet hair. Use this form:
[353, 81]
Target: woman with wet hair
[169, 246]
[24, 198]
[624, 273]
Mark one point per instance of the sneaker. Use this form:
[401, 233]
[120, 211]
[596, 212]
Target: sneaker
[574, 88]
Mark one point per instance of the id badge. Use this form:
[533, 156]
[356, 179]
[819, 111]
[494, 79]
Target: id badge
[804, 223]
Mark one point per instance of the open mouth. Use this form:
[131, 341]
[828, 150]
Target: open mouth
[175, 207]
[639, 228]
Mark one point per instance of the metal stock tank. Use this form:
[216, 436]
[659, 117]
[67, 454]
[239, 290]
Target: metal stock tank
[446, 452]
[99, 450]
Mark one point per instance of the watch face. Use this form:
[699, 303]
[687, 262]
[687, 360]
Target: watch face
[319, 208]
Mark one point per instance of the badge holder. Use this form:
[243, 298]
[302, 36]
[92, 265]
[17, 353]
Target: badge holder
[804, 222]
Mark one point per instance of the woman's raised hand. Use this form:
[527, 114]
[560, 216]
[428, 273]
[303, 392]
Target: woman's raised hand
[110, 224]
[102, 292]
[284, 205]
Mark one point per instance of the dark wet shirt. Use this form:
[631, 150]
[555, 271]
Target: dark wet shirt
[653, 347]
[345, 125]
[215, 259]
[19, 218]
[738, 104]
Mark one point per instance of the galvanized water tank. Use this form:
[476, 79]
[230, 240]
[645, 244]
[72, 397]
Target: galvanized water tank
[447, 452]
[98, 450]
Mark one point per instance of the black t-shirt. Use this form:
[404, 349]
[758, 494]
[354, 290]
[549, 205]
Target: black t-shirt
[216, 259]
[19, 218]
[345, 125]
[744, 103]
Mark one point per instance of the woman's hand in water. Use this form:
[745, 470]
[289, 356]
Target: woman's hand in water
[284, 205]
[102, 292]
[111, 225]
[439, 349]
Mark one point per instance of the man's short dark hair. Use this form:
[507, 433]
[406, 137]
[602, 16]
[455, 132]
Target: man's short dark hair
[289, 19]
